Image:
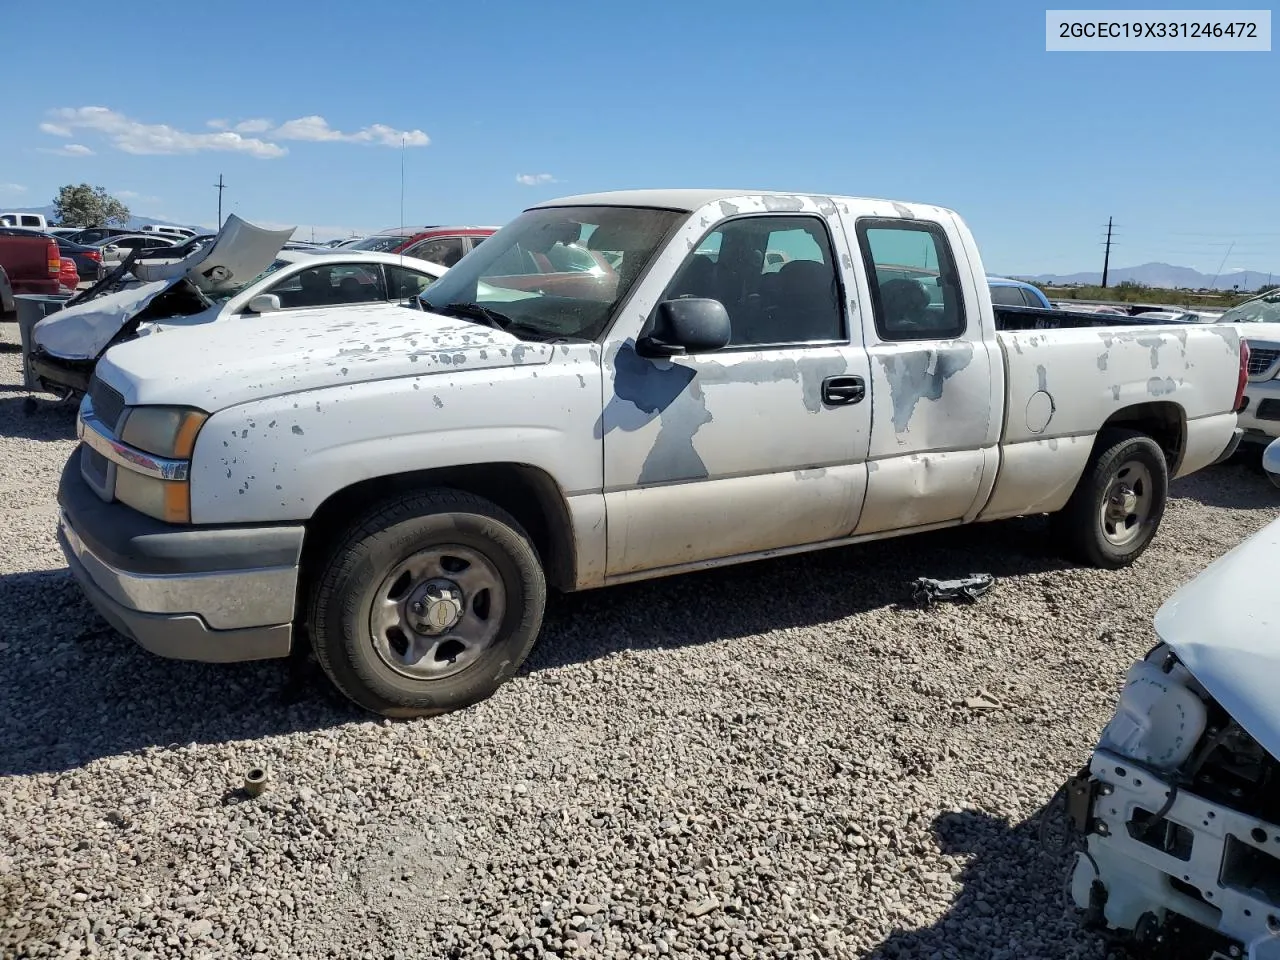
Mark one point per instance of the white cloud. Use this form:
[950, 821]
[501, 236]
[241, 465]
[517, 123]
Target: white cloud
[317, 130]
[535, 179]
[131, 195]
[133, 136]
[68, 150]
[12, 188]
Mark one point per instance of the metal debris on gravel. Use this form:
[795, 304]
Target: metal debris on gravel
[772, 760]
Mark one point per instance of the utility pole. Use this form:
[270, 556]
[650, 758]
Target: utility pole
[1106, 258]
[222, 186]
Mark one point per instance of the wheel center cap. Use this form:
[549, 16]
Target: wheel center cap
[1124, 500]
[435, 607]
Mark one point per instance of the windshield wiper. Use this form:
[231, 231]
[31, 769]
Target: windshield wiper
[474, 311]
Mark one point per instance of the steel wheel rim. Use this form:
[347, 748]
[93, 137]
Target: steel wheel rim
[437, 611]
[1126, 503]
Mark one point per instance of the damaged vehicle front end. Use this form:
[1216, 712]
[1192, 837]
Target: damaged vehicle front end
[1179, 807]
[65, 346]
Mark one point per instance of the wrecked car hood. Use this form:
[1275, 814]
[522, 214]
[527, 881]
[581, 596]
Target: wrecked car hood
[81, 332]
[239, 254]
[1225, 628]
[252, 357]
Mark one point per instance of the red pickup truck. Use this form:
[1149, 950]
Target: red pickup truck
[27, 265]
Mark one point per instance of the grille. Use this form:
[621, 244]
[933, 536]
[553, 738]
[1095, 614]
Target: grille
[107, 403]
[1261, 360]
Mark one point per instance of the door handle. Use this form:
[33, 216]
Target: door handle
[838, 390]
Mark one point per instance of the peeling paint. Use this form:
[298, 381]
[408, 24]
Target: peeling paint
[917, 375]
[1155, 343]
[728, 209]
[1102, 360]
[297, 429]
[1115, 392]
[847, 261]
[783, 204]
[437, 401]
[1159, 387]
[644, 390]
[1042, 378]
[904, 212]
[814, 474]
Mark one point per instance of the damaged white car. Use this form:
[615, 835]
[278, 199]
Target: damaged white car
[1179, 806]
[244, 272]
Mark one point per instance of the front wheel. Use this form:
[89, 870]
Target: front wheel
[1118, 504]
[428, 604]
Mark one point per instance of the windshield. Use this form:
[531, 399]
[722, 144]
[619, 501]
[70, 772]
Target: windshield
[1263, 309]
[379, 243]
[557, 271]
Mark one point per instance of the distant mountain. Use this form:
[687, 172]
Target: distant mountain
[133, 224]
[1164, 275]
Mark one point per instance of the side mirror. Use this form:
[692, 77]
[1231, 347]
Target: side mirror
[264, 303]
[686, 326]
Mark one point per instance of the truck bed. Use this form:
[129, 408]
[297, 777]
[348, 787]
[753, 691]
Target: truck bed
[1035, 318]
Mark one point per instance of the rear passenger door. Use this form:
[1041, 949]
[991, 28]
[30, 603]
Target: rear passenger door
[759, 445]
[937, 418]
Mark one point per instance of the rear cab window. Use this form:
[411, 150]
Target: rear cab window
[916, 292]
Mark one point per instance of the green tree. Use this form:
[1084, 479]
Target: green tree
[85, 206]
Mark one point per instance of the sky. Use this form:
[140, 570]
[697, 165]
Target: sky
[303, 109]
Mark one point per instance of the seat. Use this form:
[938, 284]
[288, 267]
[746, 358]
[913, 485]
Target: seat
[904, 303]
[316, 289]
[805, 304]
[352, 290]
[696, 279]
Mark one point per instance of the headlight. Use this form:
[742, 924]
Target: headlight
[163, 431]
[167, 500]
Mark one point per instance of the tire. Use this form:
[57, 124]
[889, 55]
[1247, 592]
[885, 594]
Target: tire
[416, 550]
[1120, 457]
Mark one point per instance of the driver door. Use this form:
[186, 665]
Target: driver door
[760, 445]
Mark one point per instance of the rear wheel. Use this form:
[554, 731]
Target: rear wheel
[1118, 504]
[427, 604]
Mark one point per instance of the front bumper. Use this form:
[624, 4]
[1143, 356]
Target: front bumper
[215, 594]
[1205, 870]
[1260, 418]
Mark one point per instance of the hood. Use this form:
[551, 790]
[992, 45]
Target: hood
[238, 359]
[240, 253]
[1269, 332]
[81, 332]
[1225, 628]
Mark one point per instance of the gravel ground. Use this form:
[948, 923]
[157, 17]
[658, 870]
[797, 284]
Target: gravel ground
[767, 761]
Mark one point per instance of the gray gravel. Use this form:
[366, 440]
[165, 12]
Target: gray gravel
[767, 761]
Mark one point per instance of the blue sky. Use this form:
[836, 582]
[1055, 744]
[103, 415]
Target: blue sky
[301, 107]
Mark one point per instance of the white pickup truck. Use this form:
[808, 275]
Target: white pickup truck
[612, 387]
